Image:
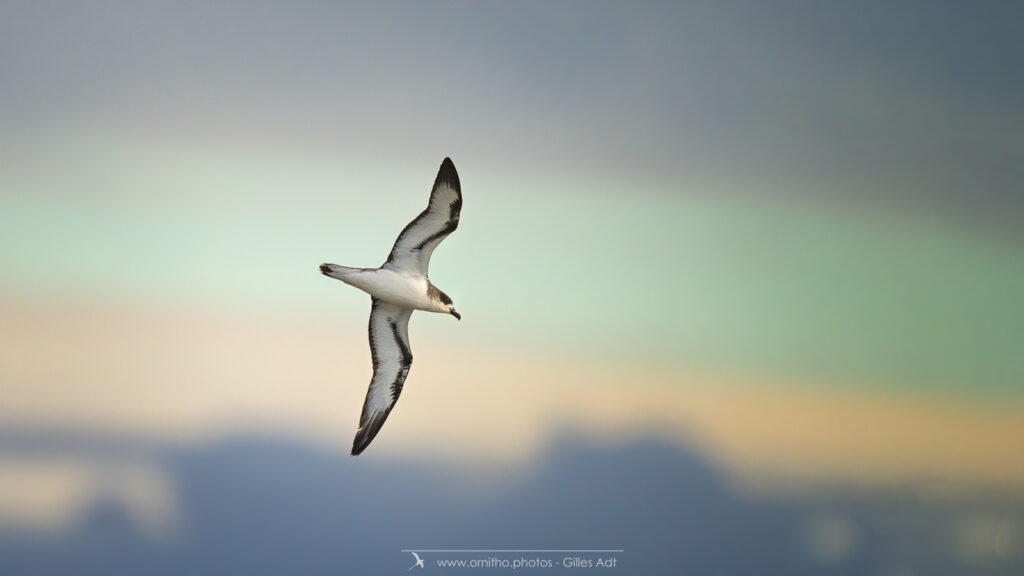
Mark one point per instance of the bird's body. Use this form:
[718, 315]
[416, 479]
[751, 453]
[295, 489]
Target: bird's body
[396, 289]
[405, 289]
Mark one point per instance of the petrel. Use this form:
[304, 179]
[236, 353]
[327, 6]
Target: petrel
[396, 289]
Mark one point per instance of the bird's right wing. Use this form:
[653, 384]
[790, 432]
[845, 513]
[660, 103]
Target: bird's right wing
[418, 239]
[389, 348]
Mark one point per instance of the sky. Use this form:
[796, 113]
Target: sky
[777, 240]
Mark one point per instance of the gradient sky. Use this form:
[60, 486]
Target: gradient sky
[833, 192]
[786, 234]
[913, 99]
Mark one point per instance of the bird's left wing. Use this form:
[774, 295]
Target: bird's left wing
[418, 239]
[389, 348]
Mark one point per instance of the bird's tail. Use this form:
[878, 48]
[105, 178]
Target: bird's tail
[340, 272]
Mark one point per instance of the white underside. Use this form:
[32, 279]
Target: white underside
[400, 288]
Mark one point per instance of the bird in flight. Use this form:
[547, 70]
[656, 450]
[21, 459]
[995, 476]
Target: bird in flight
[419, 562]
[396, 289]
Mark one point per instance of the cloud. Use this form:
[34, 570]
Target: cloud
[45, 494]
[831, 539]
[988, 537]
[193, 375]
[257, 504]
[872, 103]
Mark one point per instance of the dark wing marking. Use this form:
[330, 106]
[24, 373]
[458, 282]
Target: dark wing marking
[418, 239]
[392, 357]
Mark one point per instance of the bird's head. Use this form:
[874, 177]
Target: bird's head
[441, 302]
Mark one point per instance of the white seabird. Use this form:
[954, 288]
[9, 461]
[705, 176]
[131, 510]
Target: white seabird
[397, 288]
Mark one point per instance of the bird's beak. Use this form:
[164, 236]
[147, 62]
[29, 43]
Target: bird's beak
[456, 314]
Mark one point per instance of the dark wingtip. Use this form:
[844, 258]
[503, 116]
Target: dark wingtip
[325, 269]
[448, 175]
[359, 444]
[367, 432]
[361, 441]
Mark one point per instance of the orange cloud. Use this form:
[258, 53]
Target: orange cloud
[184, 376]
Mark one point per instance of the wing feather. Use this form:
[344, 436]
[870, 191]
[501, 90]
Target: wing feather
[418, 239]
[392, 358]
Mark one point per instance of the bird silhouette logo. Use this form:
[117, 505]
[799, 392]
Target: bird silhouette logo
[419, 561]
